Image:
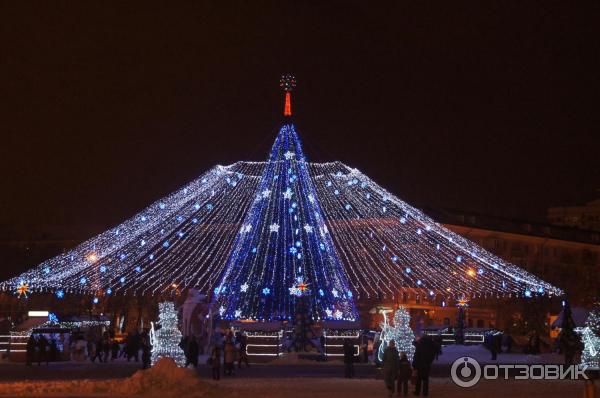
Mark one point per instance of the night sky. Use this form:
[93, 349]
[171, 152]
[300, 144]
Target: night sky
[477, 108]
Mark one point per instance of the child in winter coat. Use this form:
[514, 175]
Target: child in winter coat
[404, 374]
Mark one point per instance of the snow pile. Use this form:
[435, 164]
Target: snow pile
[163, 380]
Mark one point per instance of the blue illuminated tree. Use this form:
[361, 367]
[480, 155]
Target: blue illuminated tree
[283, 252]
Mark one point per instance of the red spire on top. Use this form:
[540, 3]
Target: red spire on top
[287, 109]
[287, 82]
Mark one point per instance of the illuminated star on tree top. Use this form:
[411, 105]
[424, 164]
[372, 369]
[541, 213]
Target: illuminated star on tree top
[287, 82]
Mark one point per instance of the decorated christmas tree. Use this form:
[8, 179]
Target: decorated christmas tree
[590, 334]
[400, 332]
[243, 234]
[284, 243]
[165, 340]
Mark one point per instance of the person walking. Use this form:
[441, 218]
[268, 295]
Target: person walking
[437, 343]
[146, 350]
[376, 345]
[507, 342]
[135, 345]
[424, 355]
[114, 349]
[404, 374]
[192, 352]
[364, 349]
[391, 362]
[30, 350]
[242, 341]
[348, 359]
[99, 350]
[91, 347]
[215, 362]
[52, 350]
[42, 349]
[493, 348]
[106, 346]
[228, 356]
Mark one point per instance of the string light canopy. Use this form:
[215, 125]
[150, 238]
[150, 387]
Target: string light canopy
[253, 233]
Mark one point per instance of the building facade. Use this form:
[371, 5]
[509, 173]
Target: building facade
[584, 217]
[567, 257]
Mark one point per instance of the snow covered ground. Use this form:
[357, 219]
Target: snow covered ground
[361, 388]
[452, 352]
[289, 388]
[291, 377]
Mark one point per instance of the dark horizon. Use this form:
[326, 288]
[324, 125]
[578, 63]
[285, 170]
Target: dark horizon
[484, 109]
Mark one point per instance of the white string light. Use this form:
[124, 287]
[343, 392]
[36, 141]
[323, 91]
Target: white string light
[266, 223]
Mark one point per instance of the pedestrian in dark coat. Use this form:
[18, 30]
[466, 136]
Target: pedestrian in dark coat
[99, 350]
[136, 342]
[228, 356]
[42, 345]
[30, 354]
[391, 362]
[52, 350]
[424, 355]
[376, 345]
[192, 352]
[348, 359]
[242, 341]
[106, 346]
[404, 374]
[364, 349]
[114, 349]
[146, 350]
[493, 348]
[509, 342]
[215, 362]
[437, 342]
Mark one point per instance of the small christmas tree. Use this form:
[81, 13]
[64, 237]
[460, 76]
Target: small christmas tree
[590, 334]
[400, 332]
[165, 340]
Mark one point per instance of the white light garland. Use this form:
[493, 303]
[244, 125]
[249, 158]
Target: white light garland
[188, 238]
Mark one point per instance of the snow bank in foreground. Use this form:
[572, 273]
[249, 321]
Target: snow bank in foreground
[164, 379]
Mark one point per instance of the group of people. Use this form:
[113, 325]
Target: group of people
[41, 349]
[398, 371]
[230, 347]
[107, 346]
[191, 349]
[102, 347]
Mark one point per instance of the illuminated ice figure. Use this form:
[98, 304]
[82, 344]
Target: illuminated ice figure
[354, 237]
[400, 332]
[165, 340]
[590, 336]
